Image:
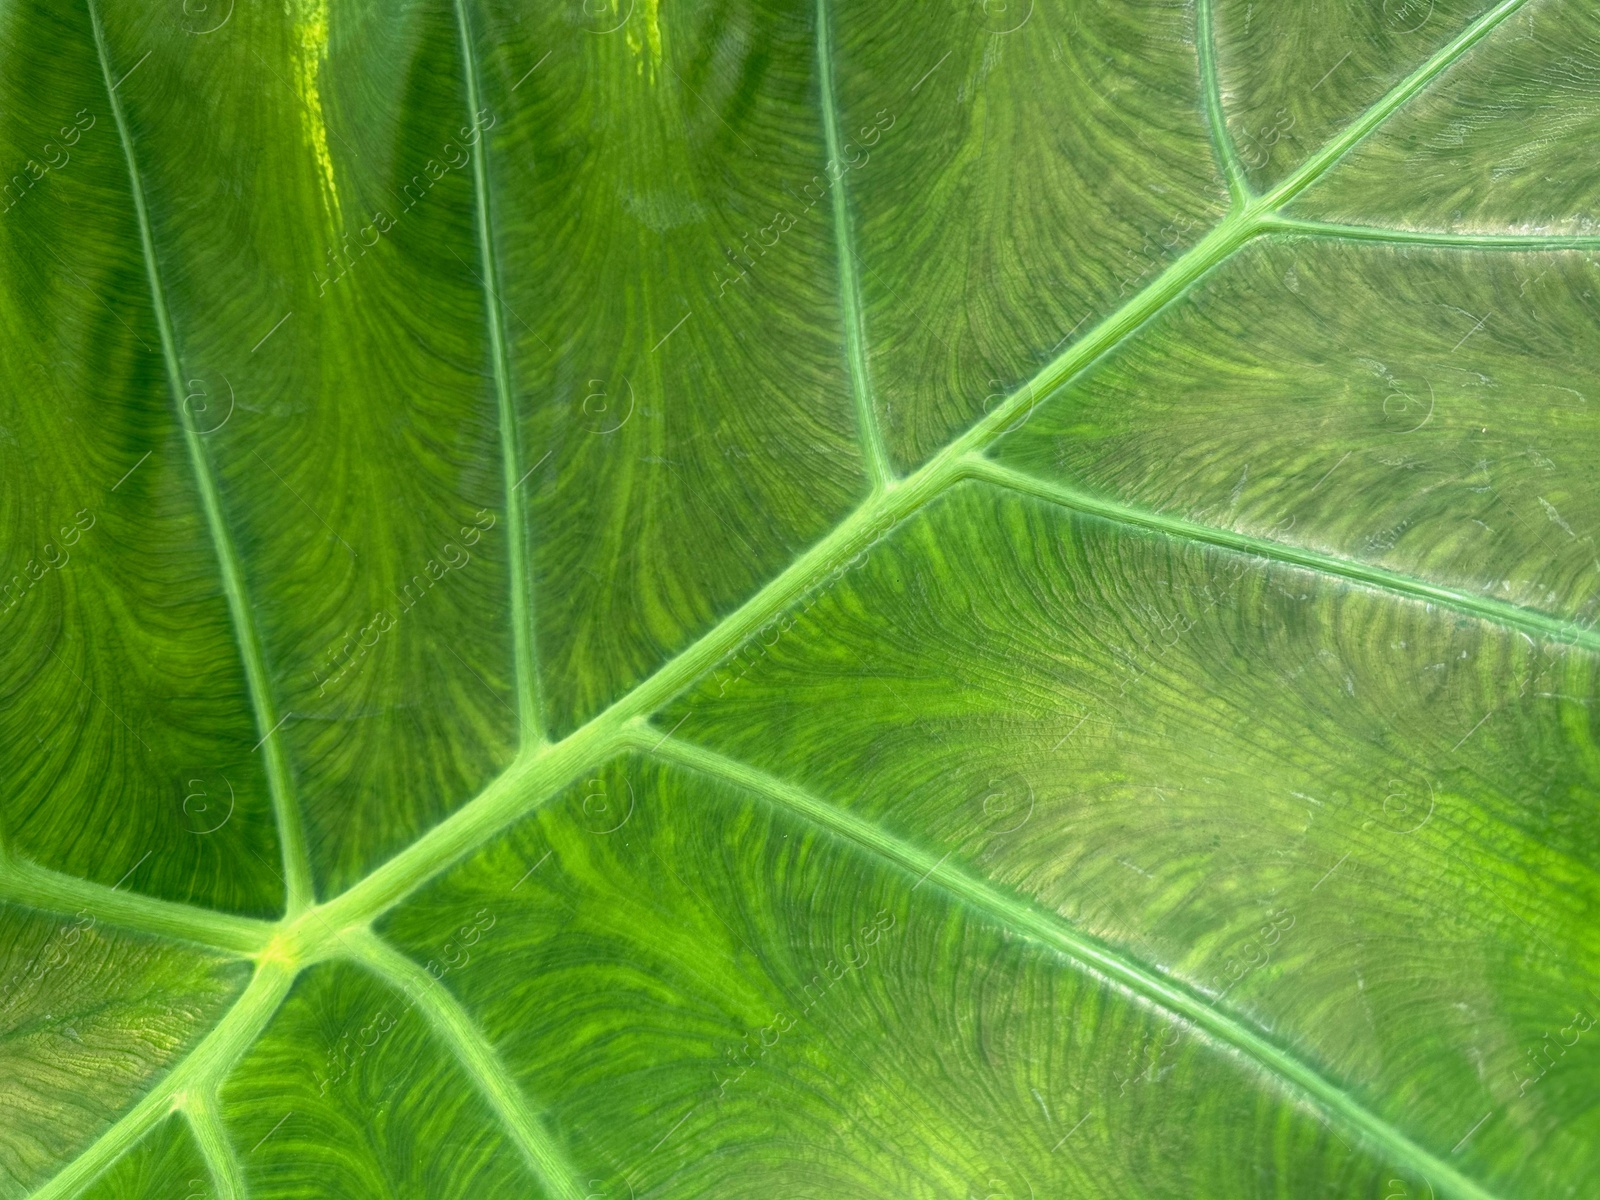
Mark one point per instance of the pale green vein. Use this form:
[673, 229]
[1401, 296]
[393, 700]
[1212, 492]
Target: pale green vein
[1422, 237]
[513, 794]
[1241, 224]
[482, 1063]
[1238, 227]
[205, 1123]
[1049, 928]
[216, 1054]
[855, 331]
[543, 769]
[291, 833]
[525, 666]
[1317, 165]
[1211, 88]
[28, 884]
[1527, 620]
[534, 777]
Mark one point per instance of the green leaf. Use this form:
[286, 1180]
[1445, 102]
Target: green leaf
[677, 598]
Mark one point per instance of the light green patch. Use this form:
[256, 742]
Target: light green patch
[650, 13]
[310, 19]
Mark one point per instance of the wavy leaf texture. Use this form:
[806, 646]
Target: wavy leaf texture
[681, 597]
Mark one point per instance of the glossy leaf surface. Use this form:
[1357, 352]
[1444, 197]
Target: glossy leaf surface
[668, 597]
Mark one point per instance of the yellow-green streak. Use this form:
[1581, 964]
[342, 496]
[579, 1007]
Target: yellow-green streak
[478, 1058]
[291, 833]
[1027, 919]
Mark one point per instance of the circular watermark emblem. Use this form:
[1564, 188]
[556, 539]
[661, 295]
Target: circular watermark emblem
[604, 16]
[1002, 16]
[604, 408]
[603, 810]
[208, 805]
[1407, 16]
[1408, 405]
[201, 17]
[205, 410]
[1406, 807]
[1006, 805]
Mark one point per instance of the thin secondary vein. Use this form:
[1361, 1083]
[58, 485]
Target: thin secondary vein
[201, 1108]
[1211, 89]
[476, 1056]
[1024, 917]
[291, 833]
[28, 884]
[855, 333]
[1483, 607]
[212, 1059]
[525, 666]
[1423, 237]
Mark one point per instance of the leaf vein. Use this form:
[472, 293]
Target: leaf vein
[286, 812]
[525, 666]
[1486, 608]
[205, 1065]
[476, 1056]
[1029, 920]
[855, 330]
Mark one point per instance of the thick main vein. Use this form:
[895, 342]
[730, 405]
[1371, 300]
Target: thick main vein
[477, 1057]
[1028, 919]
[1531, 621]
[209, 1062]
[525, 667]
[540, 772]
[535, 777]
[291, 832]
[875, 456]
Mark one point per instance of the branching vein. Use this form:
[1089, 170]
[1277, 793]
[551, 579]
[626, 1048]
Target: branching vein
[200, 1106]
[210, 1061]
[1317, 165]
[29, 884]
[478, 1058]
[534, 778]
[340, 926]
[291, 833]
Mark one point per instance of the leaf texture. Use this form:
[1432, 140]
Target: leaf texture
[669, 597]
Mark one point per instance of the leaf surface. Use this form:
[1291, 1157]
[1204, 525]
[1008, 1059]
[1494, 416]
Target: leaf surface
[658, 597]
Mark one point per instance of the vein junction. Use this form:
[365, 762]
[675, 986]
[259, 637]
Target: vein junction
[340, 927]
